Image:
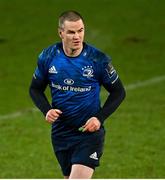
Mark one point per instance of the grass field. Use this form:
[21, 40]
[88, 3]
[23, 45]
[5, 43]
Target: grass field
[132, 32]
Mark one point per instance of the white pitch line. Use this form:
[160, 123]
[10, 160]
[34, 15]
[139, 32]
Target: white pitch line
[145, 83]
[17, 114]
[128, 87]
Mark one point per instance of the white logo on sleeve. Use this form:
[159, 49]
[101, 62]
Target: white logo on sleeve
[94, 156]
[53, 70]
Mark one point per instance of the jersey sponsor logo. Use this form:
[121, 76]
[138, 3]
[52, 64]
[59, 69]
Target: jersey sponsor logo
[53, 70]
[71, 88]
[69, 81]
[94, 156]
[87, 71]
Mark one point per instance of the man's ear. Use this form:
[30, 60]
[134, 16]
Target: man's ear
[60, 33]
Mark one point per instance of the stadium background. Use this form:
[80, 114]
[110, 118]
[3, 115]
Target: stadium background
[133, 33]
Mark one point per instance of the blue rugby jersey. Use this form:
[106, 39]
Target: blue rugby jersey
[75, 84]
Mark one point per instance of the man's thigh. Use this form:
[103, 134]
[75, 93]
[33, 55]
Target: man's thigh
[80, 171]
[89, 150]
[64, 159]
[86, 153]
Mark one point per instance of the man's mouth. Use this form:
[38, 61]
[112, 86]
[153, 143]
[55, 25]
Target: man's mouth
[76, 42]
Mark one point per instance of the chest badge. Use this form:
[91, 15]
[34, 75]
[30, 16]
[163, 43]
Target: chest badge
[87, 71]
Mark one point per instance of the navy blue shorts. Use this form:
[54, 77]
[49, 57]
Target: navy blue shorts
[87, 152]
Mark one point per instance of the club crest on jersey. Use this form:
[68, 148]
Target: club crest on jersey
[87, 71]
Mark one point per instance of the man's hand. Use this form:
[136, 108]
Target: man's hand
[93, 124]
[52, 115]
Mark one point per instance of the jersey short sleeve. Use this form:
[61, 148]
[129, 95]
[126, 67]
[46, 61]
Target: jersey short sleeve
[108, 74]
[40, 71]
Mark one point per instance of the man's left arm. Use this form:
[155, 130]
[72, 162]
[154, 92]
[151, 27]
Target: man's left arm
[116, 96]
[109, 78]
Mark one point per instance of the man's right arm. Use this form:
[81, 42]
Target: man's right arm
[38, 86]
[36, 91]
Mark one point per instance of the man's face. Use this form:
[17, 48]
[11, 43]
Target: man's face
[72, 34]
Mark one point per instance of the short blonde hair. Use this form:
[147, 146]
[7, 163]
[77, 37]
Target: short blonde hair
[69, 16]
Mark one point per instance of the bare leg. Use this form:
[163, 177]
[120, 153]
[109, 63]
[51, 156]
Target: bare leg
[81, 172]
[66, 177]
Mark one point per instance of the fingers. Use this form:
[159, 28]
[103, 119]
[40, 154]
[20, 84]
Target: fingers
[93, 124]
[90, 128]
[58, 111]
[52, 115]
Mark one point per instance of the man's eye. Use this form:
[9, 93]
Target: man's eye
[71, 32]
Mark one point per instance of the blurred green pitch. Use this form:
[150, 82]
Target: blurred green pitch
[132, 32]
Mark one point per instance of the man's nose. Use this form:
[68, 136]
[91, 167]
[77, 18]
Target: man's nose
[76, 36]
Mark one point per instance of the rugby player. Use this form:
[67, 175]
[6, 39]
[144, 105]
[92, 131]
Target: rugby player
[75, 72]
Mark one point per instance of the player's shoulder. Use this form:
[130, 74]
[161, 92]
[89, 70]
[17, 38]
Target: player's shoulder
[96, 54]
[48, 53]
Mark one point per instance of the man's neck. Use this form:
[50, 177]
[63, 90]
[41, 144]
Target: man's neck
[72, 52]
